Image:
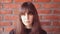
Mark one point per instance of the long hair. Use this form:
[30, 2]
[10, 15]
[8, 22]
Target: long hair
[36, 27]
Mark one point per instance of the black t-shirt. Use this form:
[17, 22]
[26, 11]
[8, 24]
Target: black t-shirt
[28, 31]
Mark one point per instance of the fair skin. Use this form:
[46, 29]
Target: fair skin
[27, 20]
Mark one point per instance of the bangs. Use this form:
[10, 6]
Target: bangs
[26, 10]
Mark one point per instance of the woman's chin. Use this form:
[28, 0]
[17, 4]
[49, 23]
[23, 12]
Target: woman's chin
[27, 24]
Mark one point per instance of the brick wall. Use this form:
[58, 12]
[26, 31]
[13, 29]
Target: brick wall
[48, 11]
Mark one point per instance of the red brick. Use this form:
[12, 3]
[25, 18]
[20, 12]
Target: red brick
[0, 6]
[48, 17]
[44, 11]
[56, 33]
[5, 12]
[15, 23]
[16, 12]
[8, 29]
[56, 0]
[5, 1]
[55, 5]
[52, 17]
[11, 6]
[7, 17]
[47, 6]
[5, 23]
[56, 11]
[1, 18]
[45, 23]
[22, 0]
[37, 5]
[55, 29]
[56, 17]
[48, 29]
[42, 0]
[1, 29]
[40, 17]
[50, 6]
[56, 23]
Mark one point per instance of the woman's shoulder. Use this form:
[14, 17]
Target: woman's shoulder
[43, 32]
[12, 31]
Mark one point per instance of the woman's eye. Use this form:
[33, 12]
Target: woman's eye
[30, 14]
[22, 14]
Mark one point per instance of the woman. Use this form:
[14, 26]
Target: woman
[29, 21]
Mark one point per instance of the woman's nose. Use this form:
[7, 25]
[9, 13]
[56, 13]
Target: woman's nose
[27, 16]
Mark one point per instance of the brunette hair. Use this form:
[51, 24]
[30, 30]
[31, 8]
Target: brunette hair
[36, 28]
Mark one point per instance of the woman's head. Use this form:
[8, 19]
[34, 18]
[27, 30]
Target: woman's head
[28, 13]
[29, 16]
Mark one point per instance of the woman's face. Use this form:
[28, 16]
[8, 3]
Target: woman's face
[27, 19]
